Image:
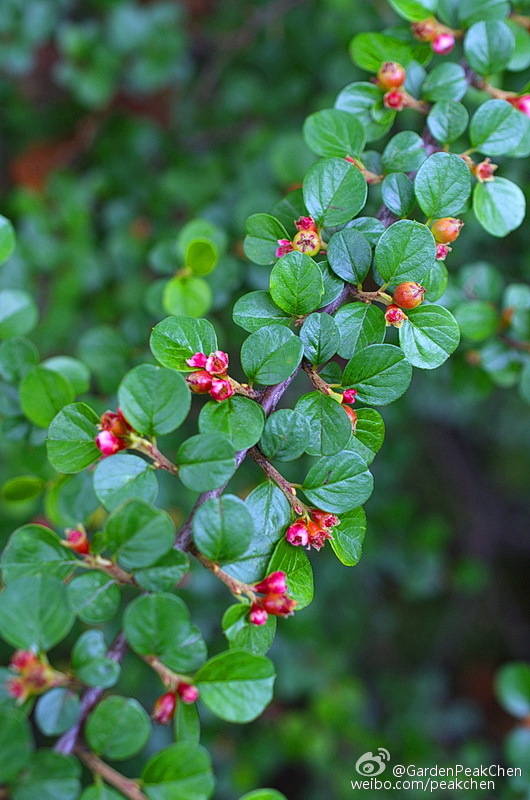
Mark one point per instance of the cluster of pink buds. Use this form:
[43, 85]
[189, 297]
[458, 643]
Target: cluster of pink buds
[275, 600]
[521, 103]
[165, 705]
[211, 375]
[313, 532]
[34, 675]
[77, 540]
[114, 433]
[441, 38]
[307, 240]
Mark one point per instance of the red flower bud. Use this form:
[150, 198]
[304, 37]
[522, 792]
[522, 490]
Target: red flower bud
[279, 605]
[77, 541]
[200, 382]
[22, 659]
[447, 229]
[308, 242]
[115, 422]
[352, 415]
[394, 99]
[391, 75]
[197, 360]
[108, 443]
[484, 171]
[395, 316]
[349, 396]
[217, 363]
[521, 103]
[16, 688]
[318, 536]
[442, 251]
[275, 583]
[284, 246]
[324, 518]
[443, 43]
[221, 389]
[257, 615]
[187, 692]
[425, 30]
[296, 534]
[164, 708]
[408, 294]
[306, 224]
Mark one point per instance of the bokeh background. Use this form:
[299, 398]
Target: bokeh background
[120, 122]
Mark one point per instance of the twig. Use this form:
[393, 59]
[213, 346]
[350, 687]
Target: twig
[126, 786]
[271, 472]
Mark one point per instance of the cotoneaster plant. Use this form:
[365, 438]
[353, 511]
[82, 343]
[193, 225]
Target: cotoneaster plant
[354, 304]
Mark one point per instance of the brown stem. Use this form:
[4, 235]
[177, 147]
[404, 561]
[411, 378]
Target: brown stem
[151, 450]
[287, 488]
[245, 389]
[417, 105]
[126, 786]
[369, 176]
[516, 343]
[236, 587]
[318, 382]
[520, 19]
[110, 568]
[169, 678]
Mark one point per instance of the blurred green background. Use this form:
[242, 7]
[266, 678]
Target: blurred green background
[120, 122]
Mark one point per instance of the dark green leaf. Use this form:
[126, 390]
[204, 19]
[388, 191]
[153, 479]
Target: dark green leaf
[56, 711]
[330, 426]
[205, 461]
[121, 477]
[240, 419]
[296, 565]
[286, 435]
[404, 152]
[443, 185]
[496, 128]
[181, 771]
[35, 613]
[332, 132]
[339, 485]
[489, 46]
[404, 252]
[360, 99]
[368, 435]
[43, 393]
[242, 635]
[73, 370]
[257, 309]
[17, 356]
[94, 596]
[153, 399]
[15, 742]
[348, 537]
[71, 436]
[91, 663]
[32, 550]
[177, 338]
[398, 194]
[236, 685]
[334, 191]
[320, 337]
[137, 534]
[296, 284]
[445, 82]
[499, 206]
[261, 241]
[380, 373]
[223, 528]
[369, 50]
[360, 324]
[165, 573]
[448, 120]
[429, 336]
[117, 728]
[271, 354]
[350, 255]
[49, 776]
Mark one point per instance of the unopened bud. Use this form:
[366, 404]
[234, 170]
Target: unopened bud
[187, 692]
[522, 103]
[391, 75]
[349, 396]
[257, 615]
[296, 534]
[221, 389]
[217, 363]
[22, 659]
[484, 171]
[200, 382]
[425, 30]
[394, 99]
[305, 224]
[279, 605]
[164, 708]
[443, 43]
[197, 360]
[275, 583]
[395, 316]
[447, 229]
[442, 251]
[77, 540]
[108, 443]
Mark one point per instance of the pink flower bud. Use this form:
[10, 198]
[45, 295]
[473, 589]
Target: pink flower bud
[197, 360]
[164, 708]
[217, 363]
[77, 541]
[115, 422]
[257, 615]
[442, 251]
[324, 518]
[22, 659]
[395, 316]
[522, 103]
[349, 396]
[425, 30]
[187, 692]
[221, 389]
[394, 99]
[16, 688]
[296, 534]
[351, 414]
[108, 443]
[443, 43]
[200, 382]
[306, 224]
[484, 171]
[279, 605]
[284, 246]
[276, 583]
[391, 75]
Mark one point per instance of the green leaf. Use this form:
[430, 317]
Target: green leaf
[158, 625]
[271, 354]
[49, 776]
[404, 252]
[18, 312]
[286, 435]
[243, 635]
[320, 337]
[117, 728]
[512, 687]
[32, 550]
[187, 723]
[73, 370]
[236, 685]
[489, 46]
[199, 230]
[201, 256]
[261, 241]
[380, 373]
[153, 399]
[429, 336]
[35, 613]
[369, 434]
[56, 711]
[442, 185]
[370, 50]
[499, 206]
[405, 152]
[71, 445]
[21, 488]
[370, 227]
[296, 284]
[348, 537]
[447, 120]
[360, 324]
[338, 485]
[520, 59]
[43, 393]
[334, 191]
[223, 528]
[477, 319]
[17, 357]
[350, 255]
[187, 296]
[239, 419]
[137, 534]
[205, 461]
[257, 309]
[414, 10]
[100, 791]
[397, 192]
[332, 132]
[264, 794]
[330, 426]
[91, 663]
[71, 500]
[165, 573]
[297, 567]
[471, 11]
[177, 338]
[361, 99]
[15, 742]
[181, 771]
[121, 477]
[94, 597]
[271, 513]
[446, 81]
[496, 128]
[7, 239]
